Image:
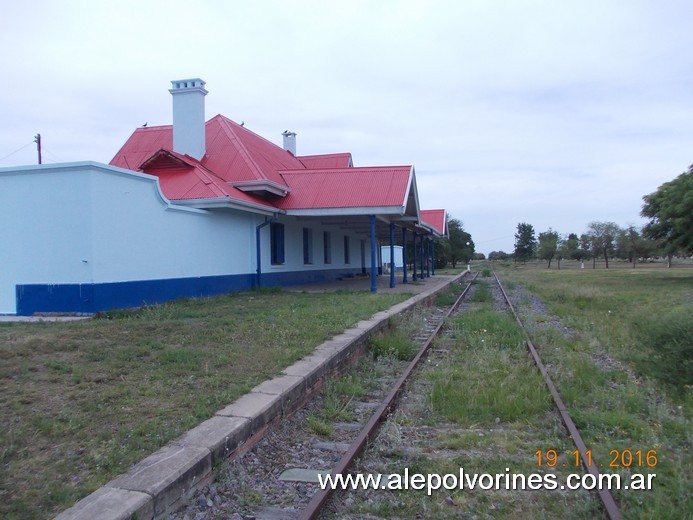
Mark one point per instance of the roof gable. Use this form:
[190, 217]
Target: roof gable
[183, 177]
[436, 220]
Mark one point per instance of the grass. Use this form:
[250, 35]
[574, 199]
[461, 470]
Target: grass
[482, 292]
[393, 343]
[81, 402]
[496, 366]
[624, 370]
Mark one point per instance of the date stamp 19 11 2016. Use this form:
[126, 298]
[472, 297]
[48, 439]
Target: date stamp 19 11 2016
[618, 458]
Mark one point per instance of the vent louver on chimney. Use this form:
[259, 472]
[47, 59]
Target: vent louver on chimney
[189, 116]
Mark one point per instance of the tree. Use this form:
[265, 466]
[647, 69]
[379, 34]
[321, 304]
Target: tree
[548, 246]
[569, 248]
[670, 210]
[461, 243]
[524, 242]
[442, 252]
[498, 255]
[585, 250]
[636, 245]
[602, 239]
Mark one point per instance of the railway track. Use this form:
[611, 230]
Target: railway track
[278, 477]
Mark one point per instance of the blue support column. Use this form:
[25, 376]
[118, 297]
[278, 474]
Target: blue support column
[392, 255]
[433, 257]
[428, 258]
[374, 281]
[414, 256]
[379, 257]
[404, 255]
[422, 256]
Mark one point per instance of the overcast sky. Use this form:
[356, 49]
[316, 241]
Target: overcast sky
[555, 113]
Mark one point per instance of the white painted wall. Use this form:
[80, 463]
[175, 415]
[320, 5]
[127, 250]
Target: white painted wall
[293, 240]
[89, 222]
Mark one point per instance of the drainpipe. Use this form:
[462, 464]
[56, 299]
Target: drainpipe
[257, 246]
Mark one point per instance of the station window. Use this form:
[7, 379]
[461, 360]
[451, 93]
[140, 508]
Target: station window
[307, 246]
[277, 242]
[327, 247]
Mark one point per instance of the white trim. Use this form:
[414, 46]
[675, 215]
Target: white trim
[350, 211]
[412, 185]
[227, 202]
[262, 185]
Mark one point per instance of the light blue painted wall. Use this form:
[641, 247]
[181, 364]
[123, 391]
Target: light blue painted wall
[385, 252]
[91, 223]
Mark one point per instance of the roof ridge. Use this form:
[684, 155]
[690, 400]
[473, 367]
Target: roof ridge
[344, 168]
[230, 127]
[243, 151]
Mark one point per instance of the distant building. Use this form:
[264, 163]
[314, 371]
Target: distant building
[194, 209]
[397, 260]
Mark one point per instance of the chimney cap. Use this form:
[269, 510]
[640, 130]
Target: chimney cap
[188, 84]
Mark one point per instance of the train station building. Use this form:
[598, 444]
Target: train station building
[198, 208]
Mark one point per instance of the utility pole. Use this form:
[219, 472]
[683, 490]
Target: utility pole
[37, 140]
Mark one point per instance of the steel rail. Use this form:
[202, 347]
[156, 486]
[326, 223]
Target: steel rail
[320, 498]
[607, 499]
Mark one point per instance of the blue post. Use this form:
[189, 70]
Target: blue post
[374, 282]
[414, 255]
[433, 257]
[422, 256]
[392, 255]
[404, 255]
[428, 258]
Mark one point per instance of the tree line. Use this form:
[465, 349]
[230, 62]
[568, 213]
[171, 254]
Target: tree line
[668, 232]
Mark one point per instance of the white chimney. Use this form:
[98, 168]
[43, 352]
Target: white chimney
[189, 116]
[290, 142]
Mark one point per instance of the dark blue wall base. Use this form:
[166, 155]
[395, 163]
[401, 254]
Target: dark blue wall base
[91, 298]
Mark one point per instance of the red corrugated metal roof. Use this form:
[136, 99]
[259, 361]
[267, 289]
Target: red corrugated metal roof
[434, 218]
[182, 177]
[346, 187]
[331, 160]
[233, 152]
[141, 145]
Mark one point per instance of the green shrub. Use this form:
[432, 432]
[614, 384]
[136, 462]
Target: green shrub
[666, 348]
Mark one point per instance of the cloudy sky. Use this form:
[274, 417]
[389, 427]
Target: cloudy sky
[555, 113]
